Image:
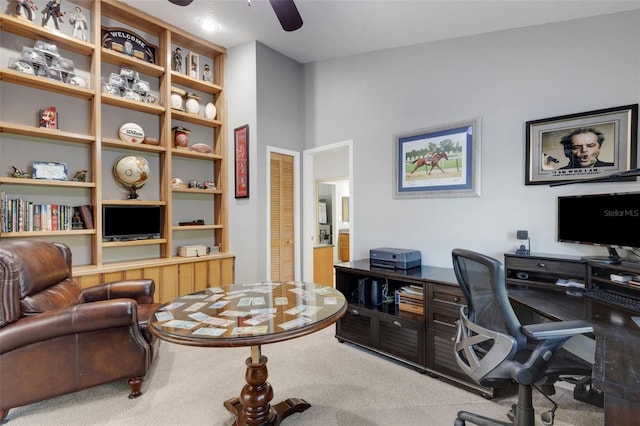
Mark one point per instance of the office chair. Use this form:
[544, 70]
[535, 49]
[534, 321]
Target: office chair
[495, 350]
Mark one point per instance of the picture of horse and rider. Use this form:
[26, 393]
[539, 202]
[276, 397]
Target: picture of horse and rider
[433, 160]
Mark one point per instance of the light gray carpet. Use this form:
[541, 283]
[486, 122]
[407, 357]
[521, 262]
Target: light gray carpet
[345, 386]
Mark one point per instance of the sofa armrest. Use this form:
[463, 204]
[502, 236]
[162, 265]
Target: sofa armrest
[140, 290]
[72, 320]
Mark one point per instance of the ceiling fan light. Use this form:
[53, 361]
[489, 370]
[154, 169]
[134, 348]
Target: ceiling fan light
[208, 24]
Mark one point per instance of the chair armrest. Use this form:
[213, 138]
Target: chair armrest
[141, 291]
[556, 330]
[72, 320]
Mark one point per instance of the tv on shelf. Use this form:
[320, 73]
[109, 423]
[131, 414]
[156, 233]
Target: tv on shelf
[130, 222]
[607, 220]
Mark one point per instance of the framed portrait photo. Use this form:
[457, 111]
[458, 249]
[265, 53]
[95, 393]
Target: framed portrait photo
[442, 161]
[582, 146]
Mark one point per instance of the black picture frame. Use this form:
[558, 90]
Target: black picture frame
[241, 161]
[550, 160]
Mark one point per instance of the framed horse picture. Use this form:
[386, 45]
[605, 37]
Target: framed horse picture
[442, 161]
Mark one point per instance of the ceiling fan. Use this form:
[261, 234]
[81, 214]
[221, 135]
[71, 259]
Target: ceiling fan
[285, 10]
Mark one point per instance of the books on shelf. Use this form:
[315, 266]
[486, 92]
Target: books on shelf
[19, 215]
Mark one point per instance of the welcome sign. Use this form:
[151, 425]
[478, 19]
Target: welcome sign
[129, 43]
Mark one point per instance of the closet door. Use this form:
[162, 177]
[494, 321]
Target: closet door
[282, 208]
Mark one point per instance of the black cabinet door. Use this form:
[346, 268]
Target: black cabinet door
[402, 338]
[355, 326]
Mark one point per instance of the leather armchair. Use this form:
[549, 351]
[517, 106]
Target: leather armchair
[56, 338]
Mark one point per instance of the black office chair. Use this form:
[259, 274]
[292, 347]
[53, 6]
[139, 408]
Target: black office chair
[495, 350]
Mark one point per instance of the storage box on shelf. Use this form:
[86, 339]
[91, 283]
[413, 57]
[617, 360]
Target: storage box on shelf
[91, 119]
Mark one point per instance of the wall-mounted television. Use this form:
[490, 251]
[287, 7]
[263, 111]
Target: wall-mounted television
[608, 220]
[131, 222]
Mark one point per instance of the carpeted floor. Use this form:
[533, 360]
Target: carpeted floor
[344, 384]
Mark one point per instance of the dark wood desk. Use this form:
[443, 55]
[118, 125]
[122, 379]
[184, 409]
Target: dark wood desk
[251, 315]
[616, 369]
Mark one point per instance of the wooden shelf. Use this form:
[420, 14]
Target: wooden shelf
[117, 58]
[195, 227]
[194, 119]
[39, 132]
[200, 85]
[93, 151]
[194, 154]
[127, 145]
[197, 191]
[27, 29]
[46, 84]
[46, 182]
[121, 102]
[134, 202]
[150, 241]
[47, 233]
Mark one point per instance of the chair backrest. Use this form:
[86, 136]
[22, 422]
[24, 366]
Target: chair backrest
[481, 279]
[35, 277]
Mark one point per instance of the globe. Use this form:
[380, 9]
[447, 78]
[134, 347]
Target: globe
[132, 172]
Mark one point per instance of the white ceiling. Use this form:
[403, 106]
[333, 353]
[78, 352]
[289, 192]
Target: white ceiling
[336, 28]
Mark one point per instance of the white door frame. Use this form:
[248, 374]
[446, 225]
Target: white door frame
[296, 207]
[309, 204]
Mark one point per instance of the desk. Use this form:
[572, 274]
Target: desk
[616, 370]
[251, 315]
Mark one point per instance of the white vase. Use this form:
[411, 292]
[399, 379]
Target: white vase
[210, 111]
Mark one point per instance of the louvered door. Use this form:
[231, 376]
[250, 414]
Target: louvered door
[282, 208]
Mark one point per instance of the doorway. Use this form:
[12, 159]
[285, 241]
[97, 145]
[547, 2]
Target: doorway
[332, 162]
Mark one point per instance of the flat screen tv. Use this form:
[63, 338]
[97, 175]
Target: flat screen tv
[122, 222]
[607, 220]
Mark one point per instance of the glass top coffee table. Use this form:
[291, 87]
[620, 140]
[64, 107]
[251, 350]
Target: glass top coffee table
[252, 315]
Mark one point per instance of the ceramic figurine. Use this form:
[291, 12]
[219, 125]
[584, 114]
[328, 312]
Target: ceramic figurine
[25, 9]
[19, 173]
[80, 176]
[207, 75]
[52, 10]
[177, 60]
[79, 22]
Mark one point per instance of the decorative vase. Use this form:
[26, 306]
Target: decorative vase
[210, 111]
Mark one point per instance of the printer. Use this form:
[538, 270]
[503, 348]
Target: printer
[395, 258]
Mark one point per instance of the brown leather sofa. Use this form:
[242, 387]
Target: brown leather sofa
[56, 338]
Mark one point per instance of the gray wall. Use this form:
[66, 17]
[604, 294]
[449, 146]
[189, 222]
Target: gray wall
[506, 78]
[271, 101]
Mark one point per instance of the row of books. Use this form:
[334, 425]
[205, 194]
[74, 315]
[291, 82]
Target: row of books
[19, 215]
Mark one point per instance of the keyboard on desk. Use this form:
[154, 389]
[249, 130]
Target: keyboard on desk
[614, 298]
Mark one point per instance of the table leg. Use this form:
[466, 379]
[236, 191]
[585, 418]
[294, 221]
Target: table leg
[252, 408]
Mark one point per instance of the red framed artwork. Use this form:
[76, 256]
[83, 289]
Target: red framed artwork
[241, 157]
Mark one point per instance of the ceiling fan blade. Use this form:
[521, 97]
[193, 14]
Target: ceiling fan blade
[181, 2]
[287, 14]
